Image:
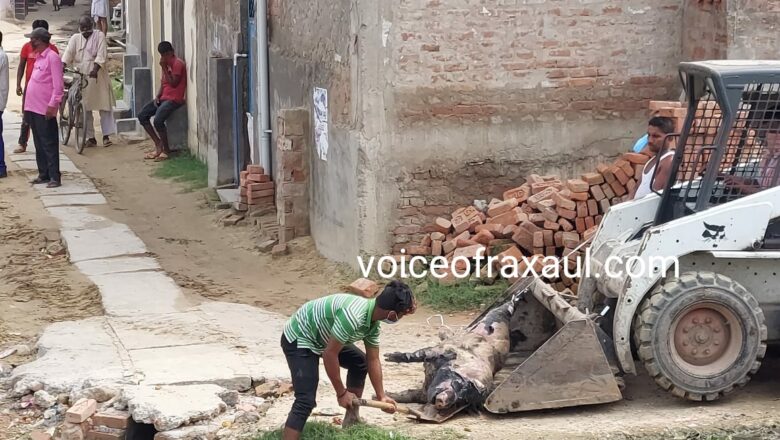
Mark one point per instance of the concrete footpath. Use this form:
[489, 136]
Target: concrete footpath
[154, 343]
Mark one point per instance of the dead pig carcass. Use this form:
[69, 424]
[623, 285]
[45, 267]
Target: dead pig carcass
[459, 371]
[502, 365]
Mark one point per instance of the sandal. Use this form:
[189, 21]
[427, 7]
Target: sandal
[20, 149]
[161, 157]
[151, 155]
[107, 142]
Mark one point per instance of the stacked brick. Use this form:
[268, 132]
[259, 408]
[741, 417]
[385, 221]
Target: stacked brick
[291, 170]
[256, 190]
[545, 216]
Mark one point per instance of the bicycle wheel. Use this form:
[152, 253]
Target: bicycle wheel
[65, 122]
[80, 123]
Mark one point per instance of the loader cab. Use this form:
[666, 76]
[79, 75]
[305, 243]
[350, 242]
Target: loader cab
[732, 107]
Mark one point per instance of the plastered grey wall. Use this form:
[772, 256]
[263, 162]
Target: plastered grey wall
[311, 46]
[754, 29]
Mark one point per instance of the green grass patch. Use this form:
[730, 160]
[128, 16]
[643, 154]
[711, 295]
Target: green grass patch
[461, 297]
[118, 86]
[326, 431]
[184, 168]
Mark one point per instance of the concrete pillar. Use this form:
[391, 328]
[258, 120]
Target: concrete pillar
[130, 62]
[221, 158]
[178, 129]
[135, 18]
[142, 88]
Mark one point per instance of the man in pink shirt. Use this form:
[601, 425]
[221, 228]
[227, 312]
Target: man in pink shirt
[42, 101]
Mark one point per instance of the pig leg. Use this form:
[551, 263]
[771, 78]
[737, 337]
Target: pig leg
[409, 396]
[430, 354]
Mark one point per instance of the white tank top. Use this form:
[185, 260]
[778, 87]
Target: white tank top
[647, 177]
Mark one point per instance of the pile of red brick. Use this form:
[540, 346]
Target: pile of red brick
[256, 190]
[82, 421]
[543, 217]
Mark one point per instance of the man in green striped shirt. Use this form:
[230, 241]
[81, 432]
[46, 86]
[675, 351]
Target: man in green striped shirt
[328, 327]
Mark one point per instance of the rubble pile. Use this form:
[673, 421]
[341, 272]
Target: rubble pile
[175, 412]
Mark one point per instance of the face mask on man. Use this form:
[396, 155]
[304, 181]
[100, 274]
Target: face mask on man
[389, 321]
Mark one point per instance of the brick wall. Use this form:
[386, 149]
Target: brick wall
[474, 60]
[705, 36]
[754, 26]
[485, 92]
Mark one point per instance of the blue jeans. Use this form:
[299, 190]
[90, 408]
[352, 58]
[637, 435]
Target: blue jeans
[160, 113]
[2, 147]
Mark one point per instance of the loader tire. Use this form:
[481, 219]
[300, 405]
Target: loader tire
[687, 339]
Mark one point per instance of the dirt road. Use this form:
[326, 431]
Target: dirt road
[220, 262]
[202, 256]
[36, 287]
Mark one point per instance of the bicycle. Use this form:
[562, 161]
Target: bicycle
[72, 111]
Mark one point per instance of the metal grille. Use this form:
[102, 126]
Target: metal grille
[749, 159]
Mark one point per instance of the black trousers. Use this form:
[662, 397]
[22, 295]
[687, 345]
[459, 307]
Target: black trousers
[47, 145]
[305, 372]
[24, 133]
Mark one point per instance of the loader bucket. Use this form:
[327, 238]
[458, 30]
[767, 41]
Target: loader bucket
[570, 369]
[576, 366]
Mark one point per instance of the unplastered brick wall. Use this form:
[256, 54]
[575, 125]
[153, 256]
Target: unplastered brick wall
[705, 36]
[488, 92]
[499, 62]
[754, 26]
[292, 170]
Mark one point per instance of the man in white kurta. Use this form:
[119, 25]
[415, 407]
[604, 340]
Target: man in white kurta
[87, 52]
[100, 13]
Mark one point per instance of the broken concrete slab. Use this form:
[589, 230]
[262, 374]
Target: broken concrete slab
[117, 265]
[71, 356]
[195, 432]
[155, 331]
[66, 166]
[228, 195]
[73, 200]
[170, 407]
[78, 217]
[70, 187]
[137, 293]
[193, 364]
[255, 329]
[113, 241]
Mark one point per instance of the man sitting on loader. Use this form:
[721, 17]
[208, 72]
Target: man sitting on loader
[764, 175]
[657, 130]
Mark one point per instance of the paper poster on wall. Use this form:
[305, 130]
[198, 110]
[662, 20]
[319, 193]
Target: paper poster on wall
[321, 122]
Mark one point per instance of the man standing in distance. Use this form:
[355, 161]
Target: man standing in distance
[42, 101]
[169, 98]
[26, 65]
[4, 81]
[100, 12]
[88, 51]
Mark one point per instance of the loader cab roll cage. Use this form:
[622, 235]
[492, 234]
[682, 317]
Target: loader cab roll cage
[732, 105]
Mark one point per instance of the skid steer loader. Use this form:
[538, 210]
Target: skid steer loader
[699, 329]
